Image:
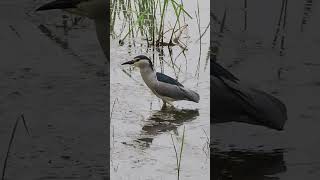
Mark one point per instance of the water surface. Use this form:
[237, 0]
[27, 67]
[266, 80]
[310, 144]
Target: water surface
[141, 145]
[292, 76]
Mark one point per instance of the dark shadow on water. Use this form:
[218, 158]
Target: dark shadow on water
[247, 165]
[62, 43]
[162, 121]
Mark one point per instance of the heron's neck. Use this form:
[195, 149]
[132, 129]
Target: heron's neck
[149, 76]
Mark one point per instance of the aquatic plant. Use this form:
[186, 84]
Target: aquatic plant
[20, 118]
[147, 19]
[281, 27]
[307, 12]
[178, 156]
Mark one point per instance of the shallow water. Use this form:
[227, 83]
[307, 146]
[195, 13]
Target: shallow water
[141, 145]
[242, 151]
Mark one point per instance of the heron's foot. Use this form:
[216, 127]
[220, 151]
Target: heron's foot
[164, 106]
[167, 107]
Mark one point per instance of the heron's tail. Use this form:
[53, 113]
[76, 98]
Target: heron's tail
[192, 95]
[260, 108]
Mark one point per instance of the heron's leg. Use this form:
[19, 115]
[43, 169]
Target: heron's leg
[167, 102]
[170, 103]
[172, 106]
[164, 105]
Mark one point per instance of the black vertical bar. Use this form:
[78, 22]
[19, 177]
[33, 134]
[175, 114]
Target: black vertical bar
[245, 14]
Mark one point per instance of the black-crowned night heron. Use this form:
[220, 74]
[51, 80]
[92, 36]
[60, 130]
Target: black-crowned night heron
[94, 9]
[163, 86]
[233, 101]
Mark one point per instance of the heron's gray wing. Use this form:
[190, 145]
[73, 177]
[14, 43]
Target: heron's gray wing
[233, 101]
[219, 71]
[176, 92]
[166, 79]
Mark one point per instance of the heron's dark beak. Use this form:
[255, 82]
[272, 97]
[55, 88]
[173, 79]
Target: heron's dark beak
[58, 4]
[128, 62]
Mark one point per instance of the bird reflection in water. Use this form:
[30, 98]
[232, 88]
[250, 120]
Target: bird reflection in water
[247, 165]
[164, 120]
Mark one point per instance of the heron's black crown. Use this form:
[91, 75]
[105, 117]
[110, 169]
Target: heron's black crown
[143, 57]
